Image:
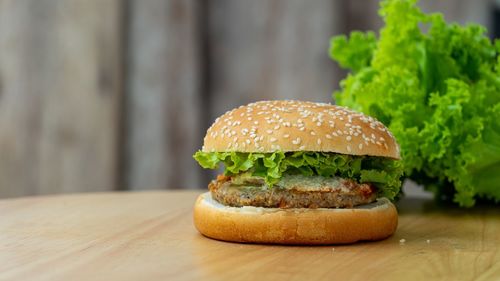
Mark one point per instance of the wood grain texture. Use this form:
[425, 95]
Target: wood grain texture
[164, 125]
[261, 50]
[362, 15]
[150, 236]
[60, 95]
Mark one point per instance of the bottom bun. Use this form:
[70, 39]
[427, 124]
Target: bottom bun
[374, 221]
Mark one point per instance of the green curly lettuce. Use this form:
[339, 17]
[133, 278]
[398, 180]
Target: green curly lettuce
[437, 91]
[384, 173]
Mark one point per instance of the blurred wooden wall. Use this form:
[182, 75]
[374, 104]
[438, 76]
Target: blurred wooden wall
[114, 95]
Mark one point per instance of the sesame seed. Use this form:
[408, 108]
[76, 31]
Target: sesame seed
[302, 147]
[348, 138]
[247, 141]
[349, 148]
[256, 122]
[328, 136]
[360, 146]
[313, 133]
[286, 135]
[276, 127]
[269, 131]
[296, 141]
[302, 128]
[273, 139]
[319, 141]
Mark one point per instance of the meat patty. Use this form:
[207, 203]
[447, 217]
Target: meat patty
[292, 191]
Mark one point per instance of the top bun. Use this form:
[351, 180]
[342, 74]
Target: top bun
[268, 126]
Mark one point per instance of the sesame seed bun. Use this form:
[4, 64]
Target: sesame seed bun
[304, 226]
[268, 126]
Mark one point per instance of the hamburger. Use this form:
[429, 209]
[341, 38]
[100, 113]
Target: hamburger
[298, 172]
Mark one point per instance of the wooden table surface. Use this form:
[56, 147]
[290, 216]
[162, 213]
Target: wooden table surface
[150, 236]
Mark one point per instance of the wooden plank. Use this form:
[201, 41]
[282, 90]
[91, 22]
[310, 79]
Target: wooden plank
[271, 50]
[150, 236]
[362, 15]
[163, 103]
[60, 95]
